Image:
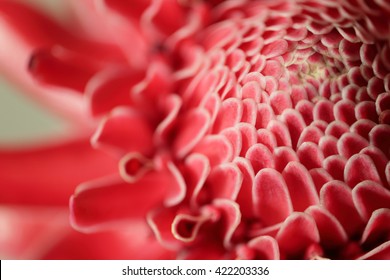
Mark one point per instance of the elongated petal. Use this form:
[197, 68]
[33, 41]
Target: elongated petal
[49, 175]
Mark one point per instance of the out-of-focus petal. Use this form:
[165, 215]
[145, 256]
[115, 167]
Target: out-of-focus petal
[48, 175]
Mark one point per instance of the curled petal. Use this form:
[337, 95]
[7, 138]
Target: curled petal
[377, 228]
[191, 129]
[57, 164]
[216, 148]
[382, 252]
[117, 132]
[336, 197]
[111, 200]
[244, 198]
[300, 186]
[271, 199]
[265, 247]
[332, 234]
[297, 233]
[353, 170]
[133, 166]
[369, 196]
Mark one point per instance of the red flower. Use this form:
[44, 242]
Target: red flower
[241, 129]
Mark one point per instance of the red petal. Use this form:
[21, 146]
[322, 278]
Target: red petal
[282, 156]
[336, 197]
[229, 115]
[300, 186]
[377, 228]
[109, 200]
[310, 155]
[295, 124]
[310, 134]
[117, 133]
[244, 198]
[369, 196]
[266, 247]
[231, 218]
[353, 173]
[379, 137]
[332, 234]
[350, 144]
[328, 145]
[281, 133]
[320, 177]
[260, 157]
[298, 232]
[216, 148]
[335, 165]
[382, 252]
[267, 138]
[224, 181]
[48, 175]
[271, 199]
[248, 136]
[191, 129]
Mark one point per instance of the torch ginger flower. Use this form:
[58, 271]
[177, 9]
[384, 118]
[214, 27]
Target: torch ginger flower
[240, 129]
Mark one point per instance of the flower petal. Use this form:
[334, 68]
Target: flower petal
[297, 233]
[300, 186]
[332, 234]
[369, 196]
[271, 199]
[117, 133]
[382, 252]
[353, 170]
[336, 197]
[377, 228]
[47, 175]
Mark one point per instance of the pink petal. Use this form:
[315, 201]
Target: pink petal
[191, 129]
[275, 48]
[336, 197]
[186, 227]
[363, 128]
[216, 148]
[335, 166]
[282, 156]
[378, 227]
[111, 88]
[267, 138]
[379, 160]
[133, 166]
[305, 108]
[111, 200]
[300, 186]
[248, 136]
[280, 101]
[350, 144]
[229, 115]
[369, 196]
[310, 134]
[117, 132]
[264, 115]
[63, 165]
[260, 157]
[271, 199]
[265, 247]
[344, 111]
[328, 145]
[323, 110]
[197, 168]
[379, 136]
[249, 112]
[382, 252]
[297, 233]
[337, 129]
[310, 155]
[244, 198]
[332, 234]
[353, 170]
[231, 218]
[366, 110]
[224, 181]
[281, 132]
[320, 177]
[233, 135]
[295, 124]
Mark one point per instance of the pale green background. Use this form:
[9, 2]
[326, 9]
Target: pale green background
[22, 120]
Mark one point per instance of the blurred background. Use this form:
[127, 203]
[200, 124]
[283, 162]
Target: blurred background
[22, 119]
